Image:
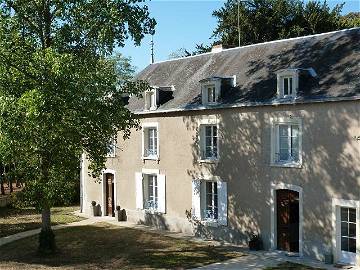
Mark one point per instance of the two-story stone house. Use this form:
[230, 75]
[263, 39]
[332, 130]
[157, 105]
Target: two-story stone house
[260, 139]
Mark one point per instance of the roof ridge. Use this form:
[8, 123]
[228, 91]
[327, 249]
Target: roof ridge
[259, 44]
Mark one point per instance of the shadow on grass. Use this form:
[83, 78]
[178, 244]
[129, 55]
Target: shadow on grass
[108, 247]
[292, 266]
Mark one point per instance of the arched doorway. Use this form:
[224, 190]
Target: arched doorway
[287, 220]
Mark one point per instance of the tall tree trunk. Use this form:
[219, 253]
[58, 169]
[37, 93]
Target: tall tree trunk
[46, 236]
[2, 187]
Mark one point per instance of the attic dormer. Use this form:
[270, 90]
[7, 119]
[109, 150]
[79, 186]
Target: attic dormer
[151, 99]
[287, 83]
[211, 89]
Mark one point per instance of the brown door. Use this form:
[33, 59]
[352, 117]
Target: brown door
[287, 220]
[110, 194]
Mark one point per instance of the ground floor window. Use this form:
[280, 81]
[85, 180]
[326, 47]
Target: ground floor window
[211, 201]
[348, 229]
[150, 190]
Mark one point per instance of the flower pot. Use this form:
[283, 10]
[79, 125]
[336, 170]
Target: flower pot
[118, 215]
[93, 210]
[329, 258]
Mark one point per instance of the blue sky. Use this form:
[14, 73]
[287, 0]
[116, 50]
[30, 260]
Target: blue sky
[182, 24]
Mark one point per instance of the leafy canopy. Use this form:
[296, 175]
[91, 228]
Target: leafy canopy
[61, 90]
[267, 20]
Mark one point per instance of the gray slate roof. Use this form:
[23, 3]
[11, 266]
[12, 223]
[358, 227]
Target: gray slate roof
[334, 56]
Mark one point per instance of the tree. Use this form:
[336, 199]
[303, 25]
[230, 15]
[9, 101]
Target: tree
[61, 90]
[267, 20]
[350, 20]
[182, 52]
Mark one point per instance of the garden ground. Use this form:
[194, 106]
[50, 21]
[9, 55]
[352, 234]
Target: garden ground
[15, 220]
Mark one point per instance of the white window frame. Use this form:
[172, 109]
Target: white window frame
[145, 127]
[199, 201]
[275, 123]
[336, 224]
[287, 74]
[202, 123]
[155, 191]
[216, 84]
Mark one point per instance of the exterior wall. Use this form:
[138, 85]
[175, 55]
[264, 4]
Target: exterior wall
[330, 169]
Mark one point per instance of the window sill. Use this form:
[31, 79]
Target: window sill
[152, 211]
[208, 160]
[287, 165]
[210, 222]
[151, 158]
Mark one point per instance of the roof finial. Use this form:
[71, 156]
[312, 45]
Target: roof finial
[152, 49]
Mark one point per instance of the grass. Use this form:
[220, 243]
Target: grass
[292, 266]
[15, 220]
[105, 246]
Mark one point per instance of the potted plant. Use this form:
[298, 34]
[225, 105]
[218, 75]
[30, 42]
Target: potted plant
[118, 213]
[93, 209]
[255, 242]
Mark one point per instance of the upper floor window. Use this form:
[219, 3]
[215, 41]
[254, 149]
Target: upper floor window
[287, 81]
[209, 140]
[151, 99]
[286, 142]
[150, 141]
[111, 148]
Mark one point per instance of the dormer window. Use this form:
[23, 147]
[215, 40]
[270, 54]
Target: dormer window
[287, 83]
[288, 86]
[211, 94]
[210, 90]
[151, 99]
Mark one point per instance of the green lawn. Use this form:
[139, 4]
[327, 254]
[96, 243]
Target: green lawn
[292, 266]
[105, 246]
[14, 220]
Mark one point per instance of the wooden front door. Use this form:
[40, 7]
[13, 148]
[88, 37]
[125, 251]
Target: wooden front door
[287, 220]
[110, 194]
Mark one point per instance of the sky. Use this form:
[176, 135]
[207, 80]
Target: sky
[185, 23]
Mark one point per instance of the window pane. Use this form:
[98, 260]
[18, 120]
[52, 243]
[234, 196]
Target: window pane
[284, 142]
[290, 86]
[286, 86]
[352, 229]
[284, 154]
[208, 141]
[352, 245]
[344, 214]
[283, 130]
[352, 215]
[344, 229]
[208, 131]
[344, 243]
[214, 131]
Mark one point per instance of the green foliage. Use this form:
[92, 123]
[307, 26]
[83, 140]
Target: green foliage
[267, 20]
[62, 89]
[350, 20]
